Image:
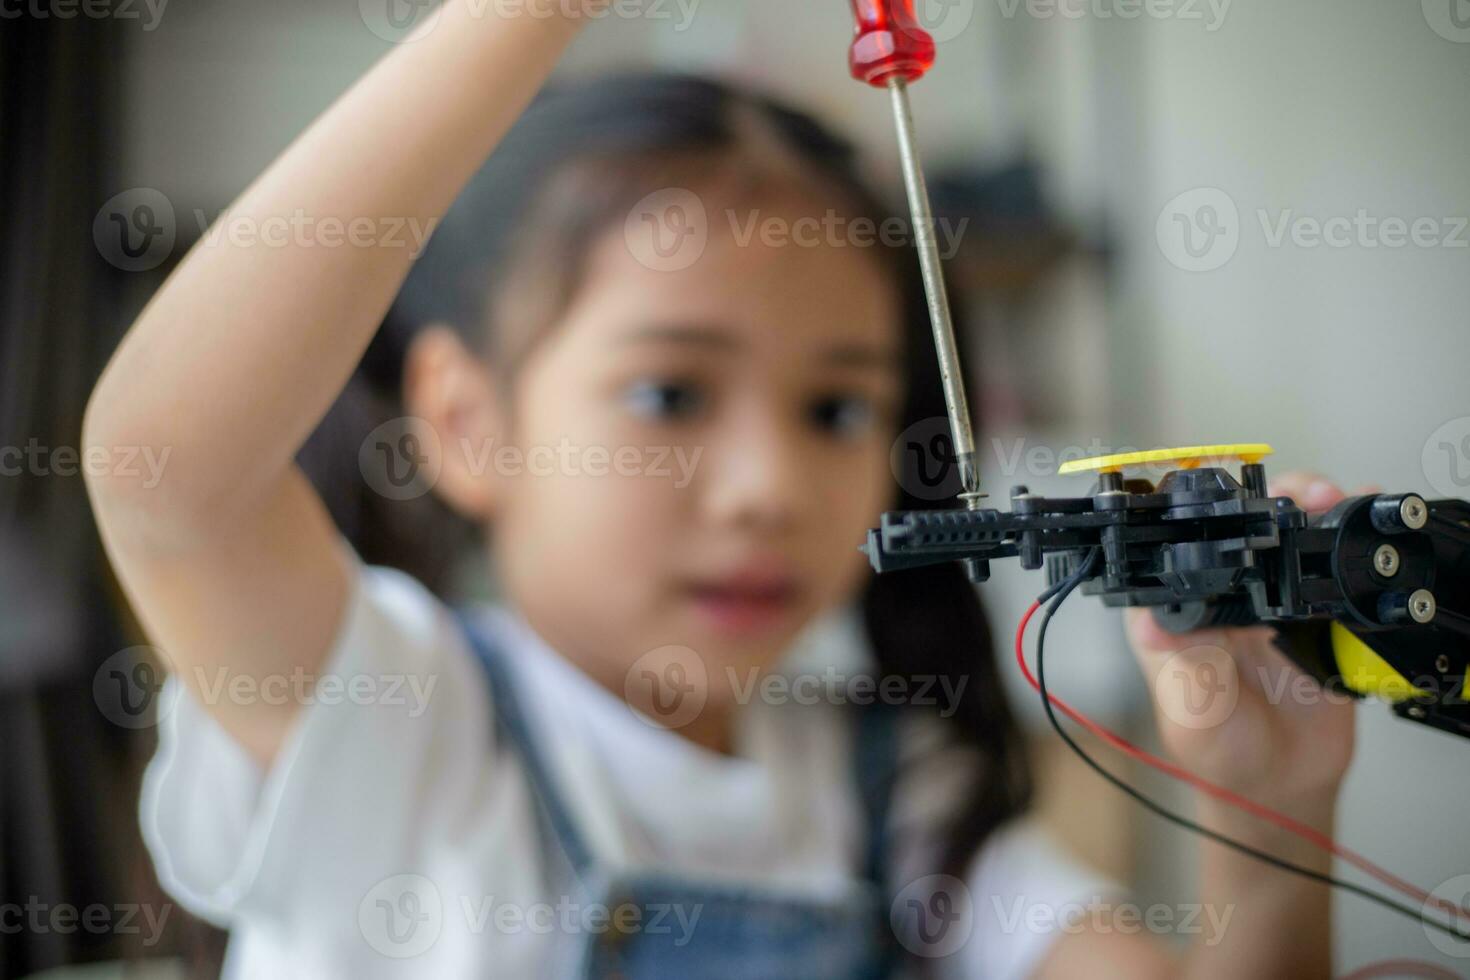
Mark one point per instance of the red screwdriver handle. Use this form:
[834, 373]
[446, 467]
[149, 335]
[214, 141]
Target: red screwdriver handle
[889, 42]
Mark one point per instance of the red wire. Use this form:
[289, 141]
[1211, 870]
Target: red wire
[1305, 832]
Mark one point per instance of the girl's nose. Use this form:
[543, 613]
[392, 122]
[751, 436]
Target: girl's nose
[757, 476]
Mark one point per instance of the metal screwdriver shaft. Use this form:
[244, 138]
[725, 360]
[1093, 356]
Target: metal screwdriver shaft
[940, 316]
[890, 50]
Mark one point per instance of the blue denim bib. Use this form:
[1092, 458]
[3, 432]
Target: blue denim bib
[741, 932]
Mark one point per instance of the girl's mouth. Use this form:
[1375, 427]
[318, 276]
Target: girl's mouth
[744, 603]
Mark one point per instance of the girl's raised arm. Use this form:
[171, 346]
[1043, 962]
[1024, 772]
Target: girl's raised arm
[229, 558]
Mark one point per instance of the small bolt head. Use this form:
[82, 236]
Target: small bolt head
[1422, 606]
[1442, 664]
[1386, 560]
[1414, 511]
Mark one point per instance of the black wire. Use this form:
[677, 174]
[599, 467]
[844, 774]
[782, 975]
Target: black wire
[1058, 594]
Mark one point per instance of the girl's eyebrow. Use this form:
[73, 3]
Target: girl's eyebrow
[689, 334]
[716, 338]
[863, 356]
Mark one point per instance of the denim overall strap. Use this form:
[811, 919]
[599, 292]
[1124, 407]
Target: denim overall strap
[875, 761]
[875, 757]
[511, 720]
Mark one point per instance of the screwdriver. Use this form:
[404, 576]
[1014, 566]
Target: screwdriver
[891, 50]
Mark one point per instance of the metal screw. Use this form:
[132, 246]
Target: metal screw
[1386, 560]
[1417, 712]
[1414, 512]
[1422, 606]
[1442, 664]
[973, 500]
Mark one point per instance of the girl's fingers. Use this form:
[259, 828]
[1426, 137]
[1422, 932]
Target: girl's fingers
[1148, 637]
[1156, 648]
[1195, 680]
[1311, 491]
[1150, 641]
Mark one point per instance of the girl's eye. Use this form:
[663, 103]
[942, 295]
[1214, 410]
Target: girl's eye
[664, 400]
[845, 416]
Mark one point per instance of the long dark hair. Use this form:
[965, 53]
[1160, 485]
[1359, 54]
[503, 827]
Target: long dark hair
[571, 169]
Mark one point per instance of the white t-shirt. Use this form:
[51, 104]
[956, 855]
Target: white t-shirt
[393, 837]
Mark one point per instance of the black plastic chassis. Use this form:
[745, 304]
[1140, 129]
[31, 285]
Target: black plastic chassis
[1204, 549]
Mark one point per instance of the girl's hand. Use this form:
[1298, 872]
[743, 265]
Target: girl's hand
[1232, 708]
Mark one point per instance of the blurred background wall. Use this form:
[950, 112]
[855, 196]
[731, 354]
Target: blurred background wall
[1145, 180]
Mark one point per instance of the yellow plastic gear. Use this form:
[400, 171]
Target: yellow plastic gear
[1187, 458]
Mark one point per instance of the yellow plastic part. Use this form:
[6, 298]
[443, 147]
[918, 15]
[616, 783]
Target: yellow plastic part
[1366, 672]
[1187, 458]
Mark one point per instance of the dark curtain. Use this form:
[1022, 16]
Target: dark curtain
[68, 775]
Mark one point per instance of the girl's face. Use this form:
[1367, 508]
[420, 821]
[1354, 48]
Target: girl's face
[712, 444]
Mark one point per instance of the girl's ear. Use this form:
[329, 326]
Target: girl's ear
[452, 396]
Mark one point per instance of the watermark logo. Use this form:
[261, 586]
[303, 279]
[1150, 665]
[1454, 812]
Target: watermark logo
[945, 20]
[1362, 230]
[148, 12]
[668, 230]
[1211, 13]
[1446, 897]
[145, 464]
[1102, 917]
[542, 460]
[924, 462]
[833, 229]
[1198, 687]
[1450, 19]
[669, 686]
[401, 458]
[37, 918]
[302, 229]
[1446, 458]
[933, 917]
[135, 230]
[1199, 230]
[569, 918]
[1402, 970]
[402, 916]
[128, 688]
[399, 21]
[832, 686]
[222, 685]
[1022, 457]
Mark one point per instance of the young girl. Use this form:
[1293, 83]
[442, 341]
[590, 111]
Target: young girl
[698, 738]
